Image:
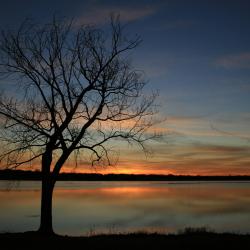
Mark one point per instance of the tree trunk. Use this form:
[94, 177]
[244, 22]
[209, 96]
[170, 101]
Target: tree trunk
[46, 226]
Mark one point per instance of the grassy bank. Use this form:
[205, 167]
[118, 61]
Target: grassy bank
[186, 240]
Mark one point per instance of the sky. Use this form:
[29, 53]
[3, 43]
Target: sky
[196, 54]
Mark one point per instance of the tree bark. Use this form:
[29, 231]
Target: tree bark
[46, 226]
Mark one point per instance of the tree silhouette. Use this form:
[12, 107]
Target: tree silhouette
[77, 91]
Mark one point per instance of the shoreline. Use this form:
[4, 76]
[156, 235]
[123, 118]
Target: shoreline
[19, 175]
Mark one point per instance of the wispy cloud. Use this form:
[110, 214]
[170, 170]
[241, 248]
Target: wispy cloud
[221, 149]
[100, 14]
[241, 60]
[235, 127]
[184, 120]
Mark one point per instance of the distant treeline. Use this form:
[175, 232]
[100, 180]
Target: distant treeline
[36, 175]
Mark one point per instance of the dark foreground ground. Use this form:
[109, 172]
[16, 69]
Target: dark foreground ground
[32, 240]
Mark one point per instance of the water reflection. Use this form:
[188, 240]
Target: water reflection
[80, 207]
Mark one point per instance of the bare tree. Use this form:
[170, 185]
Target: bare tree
[77, 91]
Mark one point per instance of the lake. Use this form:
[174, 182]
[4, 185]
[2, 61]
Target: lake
[81, 208]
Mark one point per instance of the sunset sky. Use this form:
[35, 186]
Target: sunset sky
[197, 55]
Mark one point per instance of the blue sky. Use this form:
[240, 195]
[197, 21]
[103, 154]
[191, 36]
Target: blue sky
[197, 55]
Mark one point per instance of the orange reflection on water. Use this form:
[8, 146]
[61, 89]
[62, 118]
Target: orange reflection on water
[197, 198]
[189, 190]
[80, 206]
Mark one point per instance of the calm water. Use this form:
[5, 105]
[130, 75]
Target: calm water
[85, 207]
